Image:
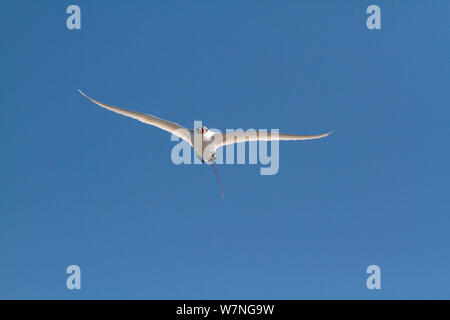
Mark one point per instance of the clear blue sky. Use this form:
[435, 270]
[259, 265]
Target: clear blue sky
[81, 185]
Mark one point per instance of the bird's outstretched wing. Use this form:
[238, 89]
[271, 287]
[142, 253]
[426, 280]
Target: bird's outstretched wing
[239, 136]
[171, 127]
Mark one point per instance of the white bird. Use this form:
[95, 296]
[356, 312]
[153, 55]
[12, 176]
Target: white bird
[205, 142]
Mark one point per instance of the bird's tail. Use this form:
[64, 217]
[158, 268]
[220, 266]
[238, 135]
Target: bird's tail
[223, 194]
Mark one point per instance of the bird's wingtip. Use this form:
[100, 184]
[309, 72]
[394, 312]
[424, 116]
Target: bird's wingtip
[84, 94]
[328, 133]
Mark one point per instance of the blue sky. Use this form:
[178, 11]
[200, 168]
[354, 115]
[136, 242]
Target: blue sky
[81, 185]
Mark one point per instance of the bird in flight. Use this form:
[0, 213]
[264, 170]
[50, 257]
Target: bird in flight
[204, 141]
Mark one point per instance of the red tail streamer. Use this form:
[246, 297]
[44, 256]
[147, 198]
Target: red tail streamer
[223, 194]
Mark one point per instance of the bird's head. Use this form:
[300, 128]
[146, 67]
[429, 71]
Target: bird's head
[204, 132]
